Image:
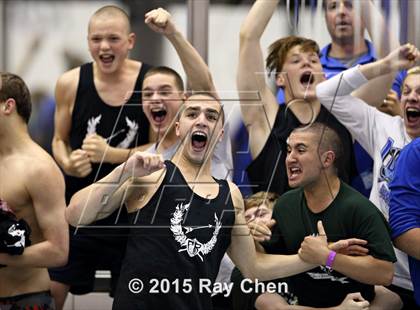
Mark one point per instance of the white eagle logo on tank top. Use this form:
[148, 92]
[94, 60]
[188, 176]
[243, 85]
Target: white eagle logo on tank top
[132, 126]
[192, 246]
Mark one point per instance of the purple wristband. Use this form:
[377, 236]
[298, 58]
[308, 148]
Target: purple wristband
[330, 259]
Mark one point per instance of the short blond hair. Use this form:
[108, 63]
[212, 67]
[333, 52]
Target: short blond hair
[412, 71]
[112, 11]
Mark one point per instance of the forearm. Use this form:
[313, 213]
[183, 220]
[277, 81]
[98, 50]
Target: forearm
[269, 266]
[98, 200]
[376, 69]
[257, 19]
[43, 255]
[198, 73]
[116, 155]
[365, 269]
[61, 151]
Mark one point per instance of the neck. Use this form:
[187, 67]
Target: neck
[112, 76]
[305, 111]
[348, 49]
[321, 193]
[165, 140]
[13, 137]
[192, 172]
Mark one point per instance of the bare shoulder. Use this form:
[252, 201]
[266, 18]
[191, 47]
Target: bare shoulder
[40, 166]
[236, 195]
[66, 87]
[69, 78]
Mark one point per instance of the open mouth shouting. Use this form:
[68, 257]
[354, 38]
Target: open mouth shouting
[107, 58]
[293, 172]
[199, 141]
[158, 115]
[413, 115]
[307, 78]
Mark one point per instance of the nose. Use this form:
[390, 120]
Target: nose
[201, 120]
[290, 157]
[104, 45]
[306, 62]
[156, 97]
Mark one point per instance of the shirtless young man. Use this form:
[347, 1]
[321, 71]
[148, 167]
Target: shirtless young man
[32, 186]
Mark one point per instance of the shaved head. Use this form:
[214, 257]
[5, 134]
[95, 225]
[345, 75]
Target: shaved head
[111, 12]
[327, 140]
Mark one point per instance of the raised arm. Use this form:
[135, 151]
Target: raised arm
[198, 73]
[100, 199]
[46, 188]
[75, 163]
[253, 264]
[384, 42]
[258, 104]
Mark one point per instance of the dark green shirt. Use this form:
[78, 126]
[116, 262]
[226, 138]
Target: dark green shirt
[350, 215]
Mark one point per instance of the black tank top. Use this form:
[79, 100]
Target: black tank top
[123, 126]
[177, 238]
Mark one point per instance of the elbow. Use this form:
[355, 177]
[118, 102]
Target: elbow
[245, 36]
[60, 253]
[388, 276]
[70, 218]
[385, 275]
[249, 274]
[61, 259]
[73, 217]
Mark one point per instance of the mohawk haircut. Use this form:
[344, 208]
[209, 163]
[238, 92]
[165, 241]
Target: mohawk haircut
[328, 140]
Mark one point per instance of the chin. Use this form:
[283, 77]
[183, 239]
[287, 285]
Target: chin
[294, 184]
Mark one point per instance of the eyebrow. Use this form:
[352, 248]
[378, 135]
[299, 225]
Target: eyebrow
[192, 109]
[159, 88]
[297, 145]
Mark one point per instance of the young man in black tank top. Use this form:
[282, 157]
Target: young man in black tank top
[98, 121]
[164, 214]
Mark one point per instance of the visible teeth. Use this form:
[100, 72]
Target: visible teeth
[200, 134]
[412, 110]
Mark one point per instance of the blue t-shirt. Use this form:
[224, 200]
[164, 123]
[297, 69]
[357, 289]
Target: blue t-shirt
[404, 207]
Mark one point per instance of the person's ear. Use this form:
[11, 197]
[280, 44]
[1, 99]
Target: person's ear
[8, 106]
[281, 79]
[177, 129]
[327, 159]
